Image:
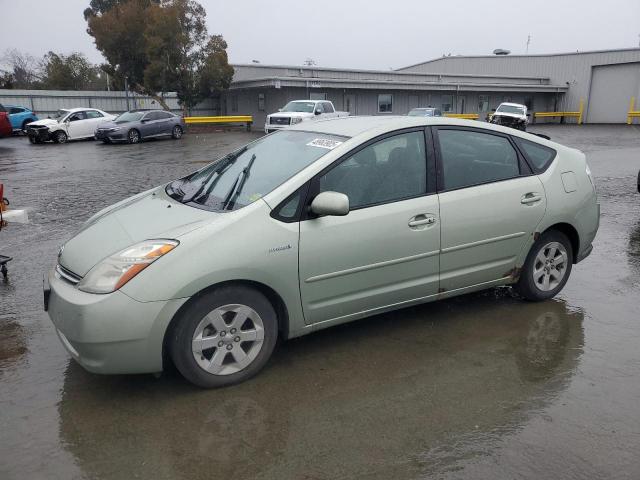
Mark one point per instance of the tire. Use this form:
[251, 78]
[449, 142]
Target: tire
[176, 133]
[106, 140]
[233, 351]
[60, 137]
[540, 277]
[33, 140]
[133, 136]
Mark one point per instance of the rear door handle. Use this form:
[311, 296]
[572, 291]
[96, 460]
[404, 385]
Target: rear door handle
[530, 198]
[421, 220]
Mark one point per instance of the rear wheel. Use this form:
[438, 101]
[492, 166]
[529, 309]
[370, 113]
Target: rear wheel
[547, 268]
[224, 337]
[176, 132]
[133, 136]
[60, 137]
[106, 140]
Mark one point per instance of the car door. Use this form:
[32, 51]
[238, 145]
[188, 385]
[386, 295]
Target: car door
[385, 251]
[149, 124]
[490, 205]
[164, 123]
[94, 118]
[78, 126]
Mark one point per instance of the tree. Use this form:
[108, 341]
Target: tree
[160, 46]
[23, 70]
[69, 72]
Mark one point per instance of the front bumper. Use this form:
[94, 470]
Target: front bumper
[268, 127]
[113, 136]
[111, 333]
[39, 134]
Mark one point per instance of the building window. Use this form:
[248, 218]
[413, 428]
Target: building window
[234, 103]
[447, 103]
[483, 103]
[317, 96]
[385, 103]
[261, 102]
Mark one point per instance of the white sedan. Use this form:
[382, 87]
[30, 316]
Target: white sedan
[68, 124]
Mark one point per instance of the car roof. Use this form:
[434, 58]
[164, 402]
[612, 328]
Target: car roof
[353, 126]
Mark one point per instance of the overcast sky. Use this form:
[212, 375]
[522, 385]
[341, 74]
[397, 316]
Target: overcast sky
[375, 34]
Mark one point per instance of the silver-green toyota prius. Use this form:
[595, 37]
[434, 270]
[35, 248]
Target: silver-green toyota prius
[312, 226]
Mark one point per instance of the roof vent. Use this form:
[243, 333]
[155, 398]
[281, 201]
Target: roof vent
[501, 51]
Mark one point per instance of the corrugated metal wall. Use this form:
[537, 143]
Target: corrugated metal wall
[46, 102]
[562, 69]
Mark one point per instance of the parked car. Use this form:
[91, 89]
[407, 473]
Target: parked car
[425, 112]
[314, 226]
[5, 123]
[299, 111]
[20, 117]
[68, 124]
[137, 125]
[511, 115]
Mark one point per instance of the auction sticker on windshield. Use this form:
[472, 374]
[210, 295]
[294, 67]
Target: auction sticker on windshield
[324, 143]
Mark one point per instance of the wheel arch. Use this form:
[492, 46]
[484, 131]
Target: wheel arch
[571, 233]
[274, 298]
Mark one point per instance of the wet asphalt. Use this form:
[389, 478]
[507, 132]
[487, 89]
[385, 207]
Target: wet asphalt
[482, 386]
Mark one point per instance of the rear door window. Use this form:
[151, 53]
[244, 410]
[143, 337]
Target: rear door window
[473, 158]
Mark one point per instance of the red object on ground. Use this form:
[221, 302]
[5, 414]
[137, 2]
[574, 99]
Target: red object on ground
[5, 124]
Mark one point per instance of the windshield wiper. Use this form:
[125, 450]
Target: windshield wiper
[231, 196]
[222, 165]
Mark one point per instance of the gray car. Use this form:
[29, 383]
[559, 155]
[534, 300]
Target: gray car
[137, 125]
[313, 226]
[425, 112]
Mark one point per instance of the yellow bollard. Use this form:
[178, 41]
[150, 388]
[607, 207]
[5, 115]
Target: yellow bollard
[631, 107]
[581, 111]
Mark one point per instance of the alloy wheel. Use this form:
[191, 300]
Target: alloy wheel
[228, 339]
[550, 266]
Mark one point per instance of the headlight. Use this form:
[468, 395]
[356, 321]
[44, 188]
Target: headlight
[295, 120]
[114, 129]
[115, 271]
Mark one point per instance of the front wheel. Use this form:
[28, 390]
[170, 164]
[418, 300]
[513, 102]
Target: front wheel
[133, 136]
[176, 132]
[60, 137]
[547, 268]
[224, 337]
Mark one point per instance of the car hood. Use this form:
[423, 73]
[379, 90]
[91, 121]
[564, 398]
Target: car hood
[47, 122]
[291, 114]
[149, 215]
[510, 115]
[112, 124]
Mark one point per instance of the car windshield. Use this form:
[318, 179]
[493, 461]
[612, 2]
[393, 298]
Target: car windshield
[248, 174]
[129, 117]
[421, 112]
[510, 109]
[60, 114]
[306, 107]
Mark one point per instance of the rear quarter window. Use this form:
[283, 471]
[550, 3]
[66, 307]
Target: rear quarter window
[539, 156]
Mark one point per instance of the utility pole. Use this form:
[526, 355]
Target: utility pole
[528, 42]
[126, 91]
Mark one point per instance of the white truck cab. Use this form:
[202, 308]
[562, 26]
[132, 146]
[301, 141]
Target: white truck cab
[298, 111]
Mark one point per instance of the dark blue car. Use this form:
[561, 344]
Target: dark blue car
[20, 117]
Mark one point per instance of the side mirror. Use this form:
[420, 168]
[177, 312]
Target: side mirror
[279, 109]
[317, 112]
[493, 109]
[144, 120]
[330, 203]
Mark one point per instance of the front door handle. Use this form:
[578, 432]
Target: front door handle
[530, 198]
[422, 220]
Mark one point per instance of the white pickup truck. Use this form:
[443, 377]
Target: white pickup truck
[298, 111]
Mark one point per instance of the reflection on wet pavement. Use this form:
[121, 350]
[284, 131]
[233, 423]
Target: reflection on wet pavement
[480, 386]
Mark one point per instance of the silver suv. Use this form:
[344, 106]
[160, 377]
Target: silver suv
[315, 226]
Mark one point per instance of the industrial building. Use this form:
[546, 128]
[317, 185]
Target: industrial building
[605, 81]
